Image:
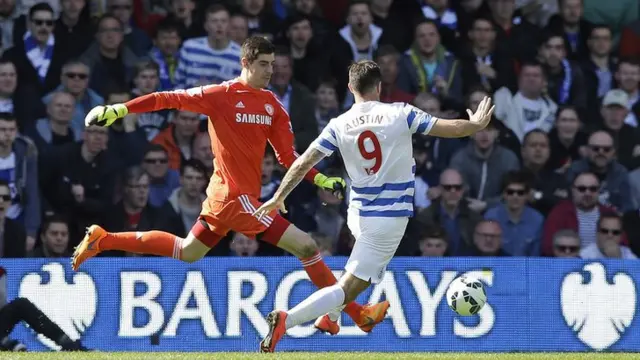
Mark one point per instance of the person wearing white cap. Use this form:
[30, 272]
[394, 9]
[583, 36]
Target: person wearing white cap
[614, 111]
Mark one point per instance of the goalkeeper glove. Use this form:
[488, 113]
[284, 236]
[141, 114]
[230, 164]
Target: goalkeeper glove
[105, 115]
[335, 185]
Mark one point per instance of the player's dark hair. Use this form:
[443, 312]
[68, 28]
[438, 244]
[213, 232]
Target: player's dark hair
[255, 46]
[516, 177]
[194, 164]
[41, 6]
[53, 219]
[7, 116]
[364, 76]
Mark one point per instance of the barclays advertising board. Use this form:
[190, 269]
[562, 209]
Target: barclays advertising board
[219, 304]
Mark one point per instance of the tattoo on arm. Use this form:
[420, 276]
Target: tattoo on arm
[297, 171]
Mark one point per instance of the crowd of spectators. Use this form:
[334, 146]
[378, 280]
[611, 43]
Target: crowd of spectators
[557, 172]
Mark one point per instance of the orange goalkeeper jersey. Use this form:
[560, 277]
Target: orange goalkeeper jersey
[241, 121]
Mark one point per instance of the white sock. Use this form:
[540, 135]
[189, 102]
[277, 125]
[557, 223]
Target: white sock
[319, 303]
[335, 314]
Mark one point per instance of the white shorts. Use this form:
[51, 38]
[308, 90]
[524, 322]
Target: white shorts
[377, 240]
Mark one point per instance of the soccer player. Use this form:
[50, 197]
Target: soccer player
[374, 140]
[243, 116]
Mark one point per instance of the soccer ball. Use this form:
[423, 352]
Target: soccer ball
[466, 295]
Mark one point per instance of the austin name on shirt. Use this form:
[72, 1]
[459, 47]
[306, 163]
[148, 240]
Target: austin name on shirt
[253, 119]
[363, 119]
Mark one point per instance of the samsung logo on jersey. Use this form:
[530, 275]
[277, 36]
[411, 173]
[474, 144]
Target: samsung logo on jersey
[253, 119]
[364, 119]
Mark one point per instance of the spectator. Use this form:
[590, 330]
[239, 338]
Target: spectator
[13, 239]
[326, 244]
[428, 67]
[56, 129]
[579, 214]
[186, 200]
[296, 99]
[506, 136]
[75, 81]
[434, 243]
[163, 181]
[521, 225]
[79, 178]
[54, 239]
[598, 66]
[439, 12]
[134, 38]
[269, 178]
[36, 68]
[357, 40]
[450, 210]
[482, 62]
[437, 151]
[201, 150]
[327, 106]
[19, 168]
[628, 79]
[321, 27]
[308, 60]
[607, 243]
[388, 58]
[177, 139]
[238, 28]
[261, 18]
[570, 23]
[396, 19]
[222, 59]
[134, 213]
[73, 29]
[567, 140]
[17, 100]
[241, 245]
[424, 171]
[487, 240]
[328, 215]
[112, 61]
[565, 81]
[627, 138]
[616, 190]
[10, 13]
[165, 52]
[126, 139]
[514, 33]
[146, 80]
[529, 108]
[630, 40]
[182, 13]
[631, 226]
[566, 244]
[548, 186]
[482, 164]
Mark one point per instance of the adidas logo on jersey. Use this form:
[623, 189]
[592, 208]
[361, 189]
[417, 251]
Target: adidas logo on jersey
[240, 105]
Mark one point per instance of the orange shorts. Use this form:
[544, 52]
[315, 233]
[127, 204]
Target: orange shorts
[237, 215]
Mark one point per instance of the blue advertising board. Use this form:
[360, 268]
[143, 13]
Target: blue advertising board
[219, 304]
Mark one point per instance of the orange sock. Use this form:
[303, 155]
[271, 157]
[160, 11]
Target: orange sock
[149, 242]
[321, 276]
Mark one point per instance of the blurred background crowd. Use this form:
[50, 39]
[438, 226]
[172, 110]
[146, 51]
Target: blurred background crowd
[557, 173]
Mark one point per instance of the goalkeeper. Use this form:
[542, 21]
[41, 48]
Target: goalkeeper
[243, 117]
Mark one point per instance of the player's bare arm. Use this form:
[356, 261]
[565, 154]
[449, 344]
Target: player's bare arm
[455, 128]
[292, 178]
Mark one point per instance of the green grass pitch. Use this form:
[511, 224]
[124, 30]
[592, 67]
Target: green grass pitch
[316, 356]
